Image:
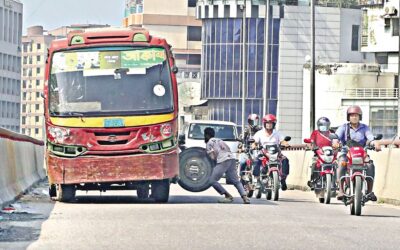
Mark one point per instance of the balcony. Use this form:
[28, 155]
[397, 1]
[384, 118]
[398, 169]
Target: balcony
[371, 93]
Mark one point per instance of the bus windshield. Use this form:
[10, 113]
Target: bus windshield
[110, 81]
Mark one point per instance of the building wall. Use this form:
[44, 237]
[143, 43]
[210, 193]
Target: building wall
[10, 61]
[289, 46]
[173, 20]
[34, 53]
[342, 85]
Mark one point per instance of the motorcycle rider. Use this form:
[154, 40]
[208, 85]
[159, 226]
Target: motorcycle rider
[319, 138]
[249, 132]
[360, 133]
[269, 134]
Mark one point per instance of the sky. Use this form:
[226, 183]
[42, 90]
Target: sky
[52, 14]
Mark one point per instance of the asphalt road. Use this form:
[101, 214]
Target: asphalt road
[118, 220]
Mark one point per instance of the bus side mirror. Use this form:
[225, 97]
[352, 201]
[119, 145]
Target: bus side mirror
[175, 69]
[287, 138]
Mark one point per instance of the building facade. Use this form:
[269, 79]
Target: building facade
[10, 64]
[337, 39]
[34, 54]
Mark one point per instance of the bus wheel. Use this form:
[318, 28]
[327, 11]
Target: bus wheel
[65, 193]
[160, 190]
[143, 191]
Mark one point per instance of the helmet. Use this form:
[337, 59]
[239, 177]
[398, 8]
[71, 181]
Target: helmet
[269, 118]
[323, 124]
[354, 110]
[252, 119]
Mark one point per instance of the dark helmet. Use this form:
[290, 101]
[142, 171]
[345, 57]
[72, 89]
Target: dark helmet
[323, 124]
[269, 118]
[252, 119]
[355, 109]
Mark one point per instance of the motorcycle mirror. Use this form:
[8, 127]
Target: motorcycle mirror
[378, 137]
[175, 69]
[307, 140]
[251, 140]
[287, 138]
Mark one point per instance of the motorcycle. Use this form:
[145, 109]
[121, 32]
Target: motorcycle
[271, 170]
[247, 175]
[323, 176]
[355, 181]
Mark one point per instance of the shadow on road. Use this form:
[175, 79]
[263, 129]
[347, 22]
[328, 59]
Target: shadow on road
[175, 199]
[381, 216]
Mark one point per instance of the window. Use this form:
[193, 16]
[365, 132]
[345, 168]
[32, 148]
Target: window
[24, 107]
[37, 70]
[395, 26]
[354, 37]
[36, 118]
[37, 94]
[38, 46]
[37, 82]
[192, 3]
[37, 106]
[38, 58]
[23, 131]
[194, 33]
[383, 120]
[23, 120]
[36, 131]
[25, 60]
[194, 60]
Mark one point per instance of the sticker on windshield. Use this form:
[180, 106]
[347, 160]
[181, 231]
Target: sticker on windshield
[159, 90]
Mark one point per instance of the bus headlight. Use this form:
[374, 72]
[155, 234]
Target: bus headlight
[159, 146]
[66, 150]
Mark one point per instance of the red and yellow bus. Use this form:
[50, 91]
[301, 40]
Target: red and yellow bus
[111, 108]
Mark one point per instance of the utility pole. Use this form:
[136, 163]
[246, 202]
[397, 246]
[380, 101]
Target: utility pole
[243, 64]
[266, 57]
[312, 67]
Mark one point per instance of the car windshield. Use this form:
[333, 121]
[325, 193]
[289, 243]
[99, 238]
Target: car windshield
[224, 132]
[108, 81]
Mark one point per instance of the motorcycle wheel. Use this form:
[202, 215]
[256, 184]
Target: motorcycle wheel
[328, 191]
[259, 190]
[358, 196]
[269, 195]
[275, 185]
[321, 200]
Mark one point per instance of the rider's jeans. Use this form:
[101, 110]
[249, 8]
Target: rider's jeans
[242, 163]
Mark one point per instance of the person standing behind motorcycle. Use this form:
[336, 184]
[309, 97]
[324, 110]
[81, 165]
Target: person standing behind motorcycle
[359, 132]
[319, 138]
[219, 151]
[266, 135]
[249, 132]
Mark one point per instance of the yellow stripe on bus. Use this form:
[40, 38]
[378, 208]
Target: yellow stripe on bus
[98, 122]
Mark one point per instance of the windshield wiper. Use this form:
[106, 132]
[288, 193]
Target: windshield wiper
[80, 115]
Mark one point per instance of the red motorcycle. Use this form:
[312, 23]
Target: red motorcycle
[323, 175]
[355, 181]
[271, 170]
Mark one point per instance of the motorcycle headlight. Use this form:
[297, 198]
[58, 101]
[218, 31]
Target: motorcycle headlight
[357, 161]
[328, 159]
[273, 157]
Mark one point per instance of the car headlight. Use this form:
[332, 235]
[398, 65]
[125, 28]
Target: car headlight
[357, 161]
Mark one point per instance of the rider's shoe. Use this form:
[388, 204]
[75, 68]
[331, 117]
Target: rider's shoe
[340, 196]
[226, 200]
[283, 185]
[372, 197]
[311, 185]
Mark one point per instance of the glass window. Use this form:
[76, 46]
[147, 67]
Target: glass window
[38, 46]
[223, 84]
[384, 121]
[237, 59]
[251, 55]
[252, 30]
[260, 58]
[236, 31]
[354, 37]
[251, 82]
[236, 84]
[259, 85]
[224, 30]
[193, 33]
[222, 131]
[223, 57]
[37, 107]
[229, 60]
[192, 3]
[217, 84]
[260, 30]
[230, 30]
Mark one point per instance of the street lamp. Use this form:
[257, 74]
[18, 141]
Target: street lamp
[312, 67]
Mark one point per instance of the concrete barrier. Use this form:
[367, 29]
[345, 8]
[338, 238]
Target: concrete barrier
[21, 164]
[387, 172]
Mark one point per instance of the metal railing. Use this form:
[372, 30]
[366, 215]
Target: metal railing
[372, 93]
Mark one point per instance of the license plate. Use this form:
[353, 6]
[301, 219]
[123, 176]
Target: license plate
[114, 123]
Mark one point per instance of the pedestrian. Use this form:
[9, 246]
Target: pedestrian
[219, 151]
